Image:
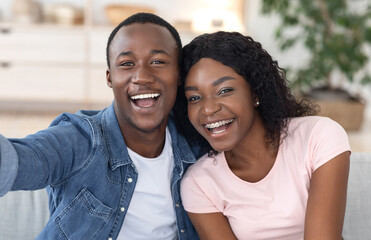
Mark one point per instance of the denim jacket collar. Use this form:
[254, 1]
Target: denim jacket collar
[115, 144]
[179, 144]
[117, 149]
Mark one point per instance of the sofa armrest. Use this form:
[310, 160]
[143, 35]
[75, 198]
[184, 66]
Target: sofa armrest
[23, 214]
[357, 222]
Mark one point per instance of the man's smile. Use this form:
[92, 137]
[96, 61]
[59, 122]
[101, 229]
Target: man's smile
[145, 100]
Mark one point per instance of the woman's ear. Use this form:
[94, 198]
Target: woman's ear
[256, 101]
[108, 78]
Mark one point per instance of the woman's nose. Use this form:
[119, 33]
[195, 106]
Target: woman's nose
[210, 106]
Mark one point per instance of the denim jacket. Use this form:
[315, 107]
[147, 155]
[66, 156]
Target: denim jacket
[83, 161]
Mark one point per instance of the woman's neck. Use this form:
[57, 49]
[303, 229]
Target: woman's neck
[252, 159]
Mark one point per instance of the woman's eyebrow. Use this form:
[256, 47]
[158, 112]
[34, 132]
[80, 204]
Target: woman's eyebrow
[222, 79]
[215, 83]
[190, 88]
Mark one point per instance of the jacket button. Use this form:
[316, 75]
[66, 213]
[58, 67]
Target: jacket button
[177, 205]
[122, 209]
[130, 180]
[109, 238]
[182, 231]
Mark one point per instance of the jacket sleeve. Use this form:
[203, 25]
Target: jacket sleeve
[8, 165]
[50, 156]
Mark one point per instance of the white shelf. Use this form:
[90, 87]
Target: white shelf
[56, 63]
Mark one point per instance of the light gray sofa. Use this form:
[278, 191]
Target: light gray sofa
[357, 222]
[23, 214]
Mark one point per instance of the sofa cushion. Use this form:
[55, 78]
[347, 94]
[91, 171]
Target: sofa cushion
[23, 214]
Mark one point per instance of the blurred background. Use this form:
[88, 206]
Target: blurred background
[52, 53]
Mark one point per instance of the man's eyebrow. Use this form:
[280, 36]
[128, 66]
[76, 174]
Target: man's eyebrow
[222, 79]
[156, 51]
[122, 54]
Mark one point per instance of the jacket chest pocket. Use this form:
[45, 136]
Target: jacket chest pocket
[83, 218]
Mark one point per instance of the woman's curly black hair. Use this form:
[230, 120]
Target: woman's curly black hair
[267, 80]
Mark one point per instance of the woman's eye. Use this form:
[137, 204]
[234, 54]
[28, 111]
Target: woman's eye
[193, 98]
[225, 90]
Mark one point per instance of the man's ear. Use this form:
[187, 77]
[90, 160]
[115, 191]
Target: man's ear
[108, 78]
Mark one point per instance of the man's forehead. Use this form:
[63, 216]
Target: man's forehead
[144, 35]
[149, 29]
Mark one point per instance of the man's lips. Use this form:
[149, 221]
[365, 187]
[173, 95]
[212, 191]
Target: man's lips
[145, 100]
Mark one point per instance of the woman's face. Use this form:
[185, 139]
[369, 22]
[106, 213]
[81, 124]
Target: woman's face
[220, 104]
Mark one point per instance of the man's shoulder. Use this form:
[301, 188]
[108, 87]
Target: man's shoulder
[79, 118]
[86, 124]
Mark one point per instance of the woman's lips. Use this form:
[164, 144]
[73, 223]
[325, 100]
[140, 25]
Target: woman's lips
[219, 126]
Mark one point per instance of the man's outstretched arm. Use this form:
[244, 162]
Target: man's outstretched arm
[8, 165]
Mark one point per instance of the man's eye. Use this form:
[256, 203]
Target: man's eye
[193, 98]
[225, 90]
[127, 64]
[158, 62]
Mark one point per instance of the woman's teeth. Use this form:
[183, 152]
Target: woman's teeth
[218, 124]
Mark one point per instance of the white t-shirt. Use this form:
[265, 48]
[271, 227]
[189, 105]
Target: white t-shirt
[274, 207]
[151, 214]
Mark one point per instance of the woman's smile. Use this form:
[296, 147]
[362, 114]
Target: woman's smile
[219, 126]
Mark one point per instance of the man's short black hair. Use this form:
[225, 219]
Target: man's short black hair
[145, 18]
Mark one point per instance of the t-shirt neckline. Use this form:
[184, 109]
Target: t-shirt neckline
[263, 180]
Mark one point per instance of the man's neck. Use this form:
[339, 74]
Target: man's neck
[146, 144]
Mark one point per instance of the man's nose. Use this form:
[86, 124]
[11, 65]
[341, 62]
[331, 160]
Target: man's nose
[142, 76]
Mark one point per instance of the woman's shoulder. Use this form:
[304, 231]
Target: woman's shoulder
[203, 165]
[203, 161]
[317, 134]
[313, 123]
[311, 120]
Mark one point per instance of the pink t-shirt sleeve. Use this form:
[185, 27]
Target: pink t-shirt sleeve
[328, 139]
[194, 198]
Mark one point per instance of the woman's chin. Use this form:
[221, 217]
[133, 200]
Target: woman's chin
[221, 147]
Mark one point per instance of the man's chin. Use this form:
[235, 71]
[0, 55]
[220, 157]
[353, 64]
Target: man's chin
[148, 128]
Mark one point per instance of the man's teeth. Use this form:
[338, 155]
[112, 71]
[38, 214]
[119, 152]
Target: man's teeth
[144, 96]
[218, 124]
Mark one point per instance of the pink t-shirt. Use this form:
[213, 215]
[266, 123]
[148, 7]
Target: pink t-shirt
[274, 207]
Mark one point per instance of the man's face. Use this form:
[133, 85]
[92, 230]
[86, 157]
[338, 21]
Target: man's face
[143, 75]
